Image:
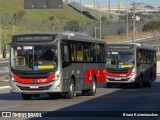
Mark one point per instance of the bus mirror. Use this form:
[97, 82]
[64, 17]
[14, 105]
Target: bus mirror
[138, 64]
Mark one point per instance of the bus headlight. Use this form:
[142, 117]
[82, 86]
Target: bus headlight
[57, 76]
[133, 72]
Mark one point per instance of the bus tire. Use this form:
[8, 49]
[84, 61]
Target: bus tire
[108, 85]
[92, 91]
[26, 96]
[70, 94]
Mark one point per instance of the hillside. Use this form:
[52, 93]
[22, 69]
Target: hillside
[34, 20]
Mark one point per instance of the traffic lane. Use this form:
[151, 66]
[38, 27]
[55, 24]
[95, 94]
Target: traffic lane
[113, 99]
[127, 99]
[4, 71]
[4, 83]
[124, 100]
[4, 67]
[14, 102]
[4, 63]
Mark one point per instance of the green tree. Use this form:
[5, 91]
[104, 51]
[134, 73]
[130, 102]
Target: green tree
[20, 14]
[152, 26]
[61, 18]
[104, 20]
[72, 25]
[149, 6]
[14, 18]
[51, 19]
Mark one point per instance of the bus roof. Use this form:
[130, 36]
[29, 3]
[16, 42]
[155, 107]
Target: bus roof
[137, 45]
[66, 35]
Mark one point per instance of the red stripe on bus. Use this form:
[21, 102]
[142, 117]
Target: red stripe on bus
[100, 76]
[119, 74]
[34, 80]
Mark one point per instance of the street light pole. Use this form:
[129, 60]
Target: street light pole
[134, 23]
[109, 7]
[100, 25]
[127, 16]
[95, 32]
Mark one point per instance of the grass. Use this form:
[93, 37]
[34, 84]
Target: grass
[9, 7]
[34, 20]
[37, 20]
[119, 38]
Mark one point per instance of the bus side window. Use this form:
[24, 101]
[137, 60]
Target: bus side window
[65, 55]
[93, 53]
[73, 52]
[79, 52]
[154, 57]
[142, 57]
[99, 53]
[86, 52]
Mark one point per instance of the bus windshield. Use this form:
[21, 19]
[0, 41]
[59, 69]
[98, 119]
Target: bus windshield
[34, 58]
[120, 60]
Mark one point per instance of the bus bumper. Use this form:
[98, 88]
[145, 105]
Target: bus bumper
[122, 80]
[53, 86]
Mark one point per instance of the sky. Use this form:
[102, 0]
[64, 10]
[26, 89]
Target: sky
[114, 3]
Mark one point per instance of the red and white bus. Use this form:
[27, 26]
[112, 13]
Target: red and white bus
[130, 63]
[56, 63]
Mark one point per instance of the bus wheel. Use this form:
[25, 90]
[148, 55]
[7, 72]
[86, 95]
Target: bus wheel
[70, 94]
[109, 85]
[26, 96]
[92, 91]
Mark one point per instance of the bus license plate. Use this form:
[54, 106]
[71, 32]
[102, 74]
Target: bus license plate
[34, 87]
[117, 78]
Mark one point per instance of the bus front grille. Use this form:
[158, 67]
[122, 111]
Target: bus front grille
[113, 79]
[35, 89]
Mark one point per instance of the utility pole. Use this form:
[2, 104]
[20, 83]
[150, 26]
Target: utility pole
[94, 4]
[95, 32]
[134, 20]
[134, 23]
[100, 25]
[127, 16]
[109, 7]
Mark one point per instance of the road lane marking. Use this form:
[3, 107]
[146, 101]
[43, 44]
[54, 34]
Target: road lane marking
[11, 107]
[4, 87]
[4, 62]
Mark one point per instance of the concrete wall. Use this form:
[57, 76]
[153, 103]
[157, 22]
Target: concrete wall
[158, 67]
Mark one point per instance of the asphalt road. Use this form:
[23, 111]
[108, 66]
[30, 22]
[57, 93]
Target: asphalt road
[4, 63]
[107, 101]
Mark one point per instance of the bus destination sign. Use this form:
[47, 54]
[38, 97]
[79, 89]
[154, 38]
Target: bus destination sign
[119, 47]
[34, 38]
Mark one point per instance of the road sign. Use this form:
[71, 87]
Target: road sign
[43, 4]
[138, 18]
